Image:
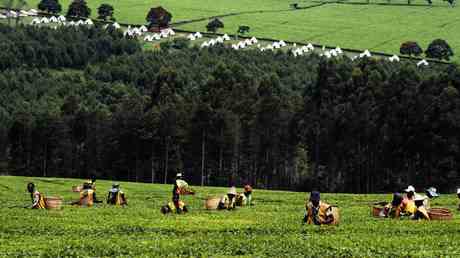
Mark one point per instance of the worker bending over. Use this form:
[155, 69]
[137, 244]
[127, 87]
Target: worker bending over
[38, 200]
[116, 196]
[228, 201]
[318, 212]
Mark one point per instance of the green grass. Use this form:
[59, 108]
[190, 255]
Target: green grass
[375, 27]
[271, 228]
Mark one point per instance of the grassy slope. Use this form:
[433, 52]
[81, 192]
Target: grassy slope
[374, 27]
[134, 11]
[270, 228]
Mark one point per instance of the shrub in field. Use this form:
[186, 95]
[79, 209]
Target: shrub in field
[214, 25]
[439, 49]
[180, 43]
[158, 17]
[410, 48]
[50, 6]
[105, 11]
[79, 8]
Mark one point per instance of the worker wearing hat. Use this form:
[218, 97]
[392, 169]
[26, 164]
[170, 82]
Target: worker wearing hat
[408, 206]
[228, 201]
[421, 212]
[176, 193]
[318, 212]
[86, 196]
[116, 196]
[248, 194]
[38, 201]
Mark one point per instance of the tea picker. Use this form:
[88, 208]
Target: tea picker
[180, 187]
[116, 196]
[320, 213]
[38, 200]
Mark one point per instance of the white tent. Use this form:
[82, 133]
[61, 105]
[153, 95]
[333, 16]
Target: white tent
[338, 50]
[394, 58]
[248, 42]
[61, 18]
[282, 43]
[191, 37]
[366, 53]
[254, 40]
[423, 62]
[2, 16]
[205, 44]
[276, 45]
[198, 35]
[219, 40]
[89, 22]
[226, 37]
[35, 21]
[79, 22]
[71, 23]
[143, 28]
[310, 46]
[45, 20]
[53, 19]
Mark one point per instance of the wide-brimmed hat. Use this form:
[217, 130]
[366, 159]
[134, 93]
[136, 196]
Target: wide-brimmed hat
[179, 175]
[458, 191]
[432, 192]
[232, 190]
[315, 196]
[409, 189]
[115, 185]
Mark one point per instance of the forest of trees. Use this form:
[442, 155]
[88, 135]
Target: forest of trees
[79, 102]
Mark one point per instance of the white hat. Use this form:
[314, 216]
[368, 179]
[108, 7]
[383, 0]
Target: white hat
[458, 191]
[409, 189]
[179, 175]
[232, 190]
[419, 197]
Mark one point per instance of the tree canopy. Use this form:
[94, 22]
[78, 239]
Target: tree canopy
[79, 8]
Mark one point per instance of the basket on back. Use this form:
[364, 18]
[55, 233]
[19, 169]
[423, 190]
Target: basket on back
[336, 214]
[53, 202]
[440, 214]
[212, 203]
[184, 188]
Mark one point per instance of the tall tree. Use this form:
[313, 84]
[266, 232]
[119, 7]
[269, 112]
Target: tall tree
[79, 8]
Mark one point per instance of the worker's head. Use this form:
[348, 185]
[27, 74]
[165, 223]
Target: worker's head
[87, 185]
[179, 175]
[315, 198]
[397, 199]
[116, 185]
[30, 187]
[432, 192]
[458, 193]
[165, 209]
[231, 192]
[410, 191]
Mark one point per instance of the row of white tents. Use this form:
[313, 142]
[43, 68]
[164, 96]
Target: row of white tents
[61, 20]
[15, 14]
[139, 31]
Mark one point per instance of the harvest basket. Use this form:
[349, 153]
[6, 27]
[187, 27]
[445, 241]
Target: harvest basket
[440, 214]
[336, 214]
[76, 188]
[212, 203]
[375, 211]
[53, 202]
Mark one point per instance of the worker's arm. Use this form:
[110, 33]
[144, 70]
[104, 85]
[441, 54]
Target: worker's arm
[35, 201]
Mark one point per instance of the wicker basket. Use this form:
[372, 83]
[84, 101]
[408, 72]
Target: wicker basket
[212, 203]
[53, 202]
[440, 214]
[336, 214]
[375, 211]
[76, 188]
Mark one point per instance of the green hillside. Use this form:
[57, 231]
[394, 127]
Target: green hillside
[271, 228]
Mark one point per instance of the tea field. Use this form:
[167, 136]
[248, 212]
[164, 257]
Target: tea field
[270, 228]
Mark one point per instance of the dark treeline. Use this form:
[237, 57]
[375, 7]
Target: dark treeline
[224, 116]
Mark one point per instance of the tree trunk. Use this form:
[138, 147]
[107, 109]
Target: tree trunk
[152, 160]
[166, 160]
[45, 157]
[203, 149]
[221, 151]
